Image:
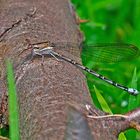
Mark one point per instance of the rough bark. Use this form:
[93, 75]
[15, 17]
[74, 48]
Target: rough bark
[52, 95]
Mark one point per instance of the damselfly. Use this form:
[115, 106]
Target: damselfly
[104, 53]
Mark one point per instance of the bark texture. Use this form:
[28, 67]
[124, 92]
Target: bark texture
[52, 95]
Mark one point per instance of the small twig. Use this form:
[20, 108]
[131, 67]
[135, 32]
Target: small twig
[3, 138]
[107, 116]
[91, 112]
[128, 117]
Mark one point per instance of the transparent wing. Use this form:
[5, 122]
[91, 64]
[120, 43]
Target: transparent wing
[110, 53]
[100, 53]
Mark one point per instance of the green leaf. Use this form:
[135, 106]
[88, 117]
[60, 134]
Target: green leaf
[133, 100]
[102, 101]
[12, 104]
[122, 136]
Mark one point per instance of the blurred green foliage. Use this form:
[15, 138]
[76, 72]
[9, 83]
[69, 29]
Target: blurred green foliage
[112, 21]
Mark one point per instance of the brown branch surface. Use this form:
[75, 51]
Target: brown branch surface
[53, 95]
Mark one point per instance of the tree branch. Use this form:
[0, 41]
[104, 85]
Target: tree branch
[53, 95]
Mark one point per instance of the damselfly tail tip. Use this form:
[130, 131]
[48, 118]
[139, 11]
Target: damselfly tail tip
[133, 91]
